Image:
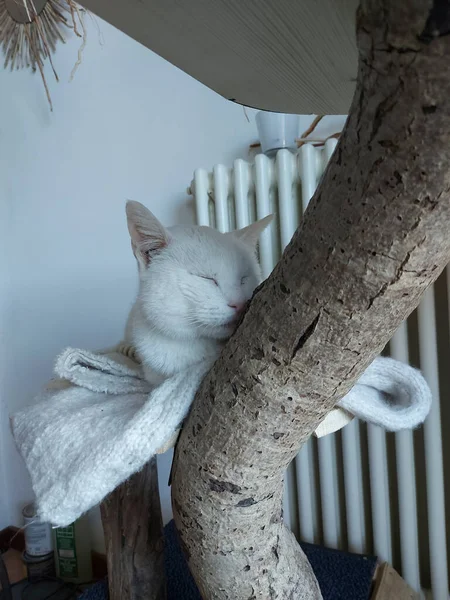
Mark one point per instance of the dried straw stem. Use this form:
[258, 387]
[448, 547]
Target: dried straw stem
[38, 62]
[28, 45]
[83, 44]
[311, 128]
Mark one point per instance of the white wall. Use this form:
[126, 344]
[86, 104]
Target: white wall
[5, 496]
[129, 125]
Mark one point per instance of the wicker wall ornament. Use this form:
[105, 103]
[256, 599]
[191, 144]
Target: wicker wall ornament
[30, 30]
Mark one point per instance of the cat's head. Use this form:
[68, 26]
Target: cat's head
[194, 281]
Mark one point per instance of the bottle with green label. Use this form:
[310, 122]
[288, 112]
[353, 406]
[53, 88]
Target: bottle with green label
[73, 551]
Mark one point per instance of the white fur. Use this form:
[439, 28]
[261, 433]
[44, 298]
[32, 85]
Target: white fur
[193, 283]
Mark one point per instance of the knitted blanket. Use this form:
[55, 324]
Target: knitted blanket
[100, 421]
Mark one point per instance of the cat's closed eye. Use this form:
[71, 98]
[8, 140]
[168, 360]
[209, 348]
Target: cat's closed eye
[209, 279]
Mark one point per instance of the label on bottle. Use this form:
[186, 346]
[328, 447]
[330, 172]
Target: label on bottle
[38, 536]
[66, 552]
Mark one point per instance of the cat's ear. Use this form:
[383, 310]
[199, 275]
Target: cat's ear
[251, 233]
[147, 234]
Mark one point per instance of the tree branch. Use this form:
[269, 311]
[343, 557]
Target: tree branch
[134, 537]
[375, 235]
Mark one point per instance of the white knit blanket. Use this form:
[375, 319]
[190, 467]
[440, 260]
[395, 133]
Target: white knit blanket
[100, 422]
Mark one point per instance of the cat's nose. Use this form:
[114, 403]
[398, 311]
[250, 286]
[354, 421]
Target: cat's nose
[238, 306]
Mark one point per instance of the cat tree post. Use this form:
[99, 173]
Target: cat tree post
[134, 536]
[374, 237]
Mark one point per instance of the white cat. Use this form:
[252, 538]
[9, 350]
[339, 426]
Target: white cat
[194, 283]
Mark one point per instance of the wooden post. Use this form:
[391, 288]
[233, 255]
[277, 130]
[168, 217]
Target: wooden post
[134, 537]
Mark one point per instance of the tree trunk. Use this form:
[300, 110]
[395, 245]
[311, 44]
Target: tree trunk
[134, 538]
[374, 236]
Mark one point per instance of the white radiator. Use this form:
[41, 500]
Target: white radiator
[360, 489]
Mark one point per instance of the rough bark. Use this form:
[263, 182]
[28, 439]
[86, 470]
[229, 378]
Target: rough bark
[134, 536]
[375, 235]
